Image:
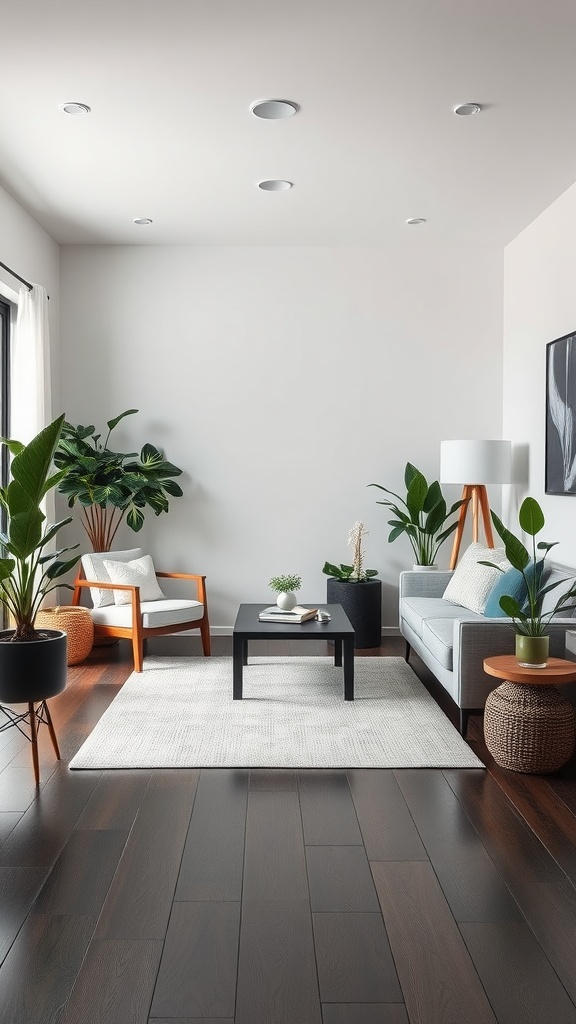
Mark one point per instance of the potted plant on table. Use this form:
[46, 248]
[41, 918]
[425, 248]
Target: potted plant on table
[284, 587]
[354, 587]
[112, 486]
[530, 622]
[32, 661]
[421, 516]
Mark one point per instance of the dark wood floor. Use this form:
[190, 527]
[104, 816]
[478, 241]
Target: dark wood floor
[280, 897]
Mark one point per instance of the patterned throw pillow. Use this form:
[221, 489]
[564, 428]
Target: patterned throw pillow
[138, 573]
[471, 583]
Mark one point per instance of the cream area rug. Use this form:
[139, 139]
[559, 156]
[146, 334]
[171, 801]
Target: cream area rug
[179, 713]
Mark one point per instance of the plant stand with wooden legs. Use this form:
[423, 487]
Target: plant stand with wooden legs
[28, 722]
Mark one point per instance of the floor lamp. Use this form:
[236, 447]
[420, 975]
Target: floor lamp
[483, 462]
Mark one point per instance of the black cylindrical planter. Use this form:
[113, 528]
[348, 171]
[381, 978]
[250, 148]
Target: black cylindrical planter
[32, 670]
[362, 603]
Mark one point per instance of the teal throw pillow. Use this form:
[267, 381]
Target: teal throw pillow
[513, 584]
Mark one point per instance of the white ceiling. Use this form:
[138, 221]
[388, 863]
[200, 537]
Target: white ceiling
[171, 135]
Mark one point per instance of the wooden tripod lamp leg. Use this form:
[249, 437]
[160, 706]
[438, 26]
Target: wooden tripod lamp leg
[466, 495]
[486, 519]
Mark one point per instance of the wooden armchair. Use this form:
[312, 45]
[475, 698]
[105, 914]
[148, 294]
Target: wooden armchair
[138, 620]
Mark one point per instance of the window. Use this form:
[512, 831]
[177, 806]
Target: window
[5, 320]
[5, 317]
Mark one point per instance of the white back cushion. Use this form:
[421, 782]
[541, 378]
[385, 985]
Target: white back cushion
[93, 566]
[139, 572]
[471, 583]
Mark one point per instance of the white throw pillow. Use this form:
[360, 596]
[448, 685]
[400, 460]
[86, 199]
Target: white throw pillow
[138, 573]
[93, 565]
[471, 583]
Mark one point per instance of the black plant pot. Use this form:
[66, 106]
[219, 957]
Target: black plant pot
[32, 670]
[362, 603]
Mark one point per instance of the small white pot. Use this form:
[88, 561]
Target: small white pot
[424, 568]
[286, 600]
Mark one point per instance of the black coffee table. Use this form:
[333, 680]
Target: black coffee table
[248, 627]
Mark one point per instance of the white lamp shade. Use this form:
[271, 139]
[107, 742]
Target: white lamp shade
[475, 462]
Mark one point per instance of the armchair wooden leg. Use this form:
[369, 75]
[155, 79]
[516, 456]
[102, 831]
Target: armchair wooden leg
[137, 648]
[205, 634]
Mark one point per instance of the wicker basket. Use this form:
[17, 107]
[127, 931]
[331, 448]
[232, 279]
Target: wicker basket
[76, 622]
[529, 728]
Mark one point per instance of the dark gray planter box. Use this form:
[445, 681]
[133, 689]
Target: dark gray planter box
[362, 603]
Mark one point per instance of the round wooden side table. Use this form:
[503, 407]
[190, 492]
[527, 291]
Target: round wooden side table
[528, 724]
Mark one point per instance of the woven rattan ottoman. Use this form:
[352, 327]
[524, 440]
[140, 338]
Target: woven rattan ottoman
[76, 622]
[528, 723]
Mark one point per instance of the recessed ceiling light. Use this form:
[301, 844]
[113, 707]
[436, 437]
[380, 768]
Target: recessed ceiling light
[142, 220]
[275, 185]
[416, 220]
[465, 109]
[75, 108]
[274, 109]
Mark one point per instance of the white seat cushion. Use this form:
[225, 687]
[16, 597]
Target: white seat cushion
[94, 569]
[416, 610]
[137, 573]
[154, 613]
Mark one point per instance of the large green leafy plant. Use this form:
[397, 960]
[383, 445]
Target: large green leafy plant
[528, 618]
[28, 571]
[421, 516]
[111, 486]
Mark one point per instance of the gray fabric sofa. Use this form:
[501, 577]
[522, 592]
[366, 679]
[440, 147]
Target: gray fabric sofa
[453, 641]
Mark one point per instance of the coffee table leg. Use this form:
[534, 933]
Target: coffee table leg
[338, 653]
[348, 669]
[239, 648]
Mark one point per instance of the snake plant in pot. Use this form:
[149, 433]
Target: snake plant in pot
[422, 516]
[32, 662]
[527, 580]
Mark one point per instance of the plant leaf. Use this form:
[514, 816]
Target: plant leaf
[531, 517]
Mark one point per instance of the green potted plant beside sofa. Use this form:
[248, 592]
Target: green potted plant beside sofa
[421, 516]
[524, 587]
[32, 661]
[354, 587]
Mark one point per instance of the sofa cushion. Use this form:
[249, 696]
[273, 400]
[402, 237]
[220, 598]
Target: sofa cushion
[438, 635]
[139, 573]
[557, 575]
[472, 582]
[513, 584]
[415, 610]
[93, 566]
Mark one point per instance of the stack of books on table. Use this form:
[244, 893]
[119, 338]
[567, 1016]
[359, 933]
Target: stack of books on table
[297, 614]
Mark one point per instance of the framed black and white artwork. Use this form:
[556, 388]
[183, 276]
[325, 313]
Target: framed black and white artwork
[560, 470]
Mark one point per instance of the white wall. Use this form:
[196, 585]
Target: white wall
[539, 306]
[283, 381]
[32, 253]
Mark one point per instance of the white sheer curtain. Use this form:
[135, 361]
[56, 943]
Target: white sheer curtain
[30, 373]
[30, 390]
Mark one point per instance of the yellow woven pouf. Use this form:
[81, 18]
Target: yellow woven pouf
[76, 622]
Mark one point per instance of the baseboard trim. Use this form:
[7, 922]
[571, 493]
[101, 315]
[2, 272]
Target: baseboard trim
[227, 631]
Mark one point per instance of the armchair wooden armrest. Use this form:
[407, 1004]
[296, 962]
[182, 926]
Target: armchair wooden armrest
[135, 593]
[200, 582]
